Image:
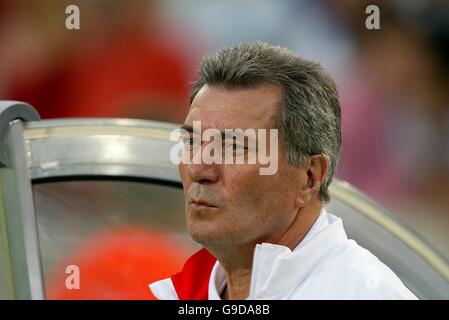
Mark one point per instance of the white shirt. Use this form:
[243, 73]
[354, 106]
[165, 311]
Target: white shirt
[325, 265]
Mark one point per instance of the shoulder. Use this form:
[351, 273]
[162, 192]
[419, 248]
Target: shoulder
[365, 276]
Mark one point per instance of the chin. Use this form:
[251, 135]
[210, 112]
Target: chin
[204, 232]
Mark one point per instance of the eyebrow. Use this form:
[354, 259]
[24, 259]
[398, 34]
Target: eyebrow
[189, 129]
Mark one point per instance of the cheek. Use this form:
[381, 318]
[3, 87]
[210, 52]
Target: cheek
[185, 180]
[271, 195]
[246, 190]
[184, 175]
[258, 206]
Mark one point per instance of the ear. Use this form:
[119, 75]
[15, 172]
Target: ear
[316, 170]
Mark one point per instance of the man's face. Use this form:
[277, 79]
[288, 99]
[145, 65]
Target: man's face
[232, 203]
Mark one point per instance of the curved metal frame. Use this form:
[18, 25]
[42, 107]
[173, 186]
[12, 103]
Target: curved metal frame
[17, 215]
[346, 193]
[45, 135]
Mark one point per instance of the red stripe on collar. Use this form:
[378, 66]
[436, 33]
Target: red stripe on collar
[192, 283]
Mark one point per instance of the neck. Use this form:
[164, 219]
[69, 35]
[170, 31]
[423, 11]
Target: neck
[237, 284]
[300, 226]
[237, 262]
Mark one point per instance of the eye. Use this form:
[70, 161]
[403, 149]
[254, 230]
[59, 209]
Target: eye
[187, 140]
[235, 146]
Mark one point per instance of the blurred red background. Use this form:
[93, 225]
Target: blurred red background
[136, 59]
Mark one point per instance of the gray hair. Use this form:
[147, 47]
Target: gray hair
[309, 120]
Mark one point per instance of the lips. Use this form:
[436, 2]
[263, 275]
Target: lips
[200, 203]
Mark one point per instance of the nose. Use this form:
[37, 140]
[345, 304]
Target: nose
[201, 172]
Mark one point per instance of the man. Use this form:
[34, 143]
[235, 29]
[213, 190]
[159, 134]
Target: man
[269, 236]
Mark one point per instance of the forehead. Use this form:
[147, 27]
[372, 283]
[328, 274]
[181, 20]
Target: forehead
[222, 108]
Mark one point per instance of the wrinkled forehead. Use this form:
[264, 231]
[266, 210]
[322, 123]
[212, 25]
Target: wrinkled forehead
[222, 108]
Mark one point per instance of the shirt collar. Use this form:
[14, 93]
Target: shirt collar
[272, 262]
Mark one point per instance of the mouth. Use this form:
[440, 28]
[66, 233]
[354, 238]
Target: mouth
[201, 204]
